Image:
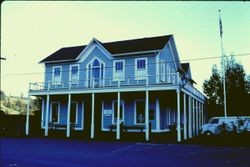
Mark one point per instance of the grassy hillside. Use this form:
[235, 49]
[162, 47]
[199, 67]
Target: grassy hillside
[16, 105]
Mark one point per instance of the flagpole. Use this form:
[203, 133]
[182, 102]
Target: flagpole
[223, 64]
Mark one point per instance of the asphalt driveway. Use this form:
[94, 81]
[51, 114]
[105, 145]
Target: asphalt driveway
[35, 152]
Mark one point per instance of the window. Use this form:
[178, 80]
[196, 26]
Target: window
[162, 71]
[96, 72]
[57, 75]
[140, 112]
[74, 74]
[118, 72]
[54, 112]
[73, 112]
[115, 103]
[168, 73]
[140, 69]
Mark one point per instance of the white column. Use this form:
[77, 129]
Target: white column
[185, 117]
[178, 116]
[68, 116]
[42, 113]
[92, 117]
[27, 116]
[147, 117]
[47, 116]
[157, 107]
[202, 114]
[118, 117]
[189, 117]
[193, 120]
[197, 117]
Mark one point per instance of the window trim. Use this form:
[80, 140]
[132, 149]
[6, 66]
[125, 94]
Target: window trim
[88, 77]
[53, 75]
[70, 73]
[146, 69]
[76, 118]
[58, 110]
[135, 112]
[162, 73]
[113, 111]
[123, 70]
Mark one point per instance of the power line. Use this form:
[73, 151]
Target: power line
[184, 60]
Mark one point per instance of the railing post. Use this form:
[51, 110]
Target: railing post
[147, 80]
[48, 85]
[69, 84]
[119, 83]
[93, 83]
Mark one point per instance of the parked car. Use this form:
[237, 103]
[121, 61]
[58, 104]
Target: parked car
[217, 125]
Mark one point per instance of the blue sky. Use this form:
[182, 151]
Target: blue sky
[30, 31]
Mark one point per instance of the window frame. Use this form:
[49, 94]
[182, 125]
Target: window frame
[123, 70]
[137, 77]
[76, 116]
[162, 71]
[58, 110]
[135, 111]
[54, 81]
[113, 110]
[70, 73]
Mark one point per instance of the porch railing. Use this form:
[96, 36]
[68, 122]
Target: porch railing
[173, 79]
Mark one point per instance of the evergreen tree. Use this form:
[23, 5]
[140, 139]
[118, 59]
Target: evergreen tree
[237, 90]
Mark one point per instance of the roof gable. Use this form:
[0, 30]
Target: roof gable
[114, 48]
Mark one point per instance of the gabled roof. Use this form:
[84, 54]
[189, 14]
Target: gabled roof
[114, 48]
[185, 68]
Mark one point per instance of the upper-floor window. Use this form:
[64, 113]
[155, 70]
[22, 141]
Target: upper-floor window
[162, 71]
[140, 68]
[57, 75]
[74, 74]
[119, 72]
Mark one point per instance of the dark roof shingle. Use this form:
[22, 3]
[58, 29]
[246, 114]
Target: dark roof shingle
[118, 47]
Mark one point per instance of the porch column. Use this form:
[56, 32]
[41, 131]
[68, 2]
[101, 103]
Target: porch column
[178, 116]
[202, 114]
[185, 117]
[147, 117]
[189, 117]
[118, 117]
[68, 116]
[197, 117]
[157, 107]
[193, 120]
[92, 117]
[27, 116]
[42, 113]
[47, 116]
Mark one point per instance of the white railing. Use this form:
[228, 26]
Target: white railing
[171, 79]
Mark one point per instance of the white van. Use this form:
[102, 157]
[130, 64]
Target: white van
[217, 124]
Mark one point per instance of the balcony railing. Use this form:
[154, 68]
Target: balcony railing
[173, 79]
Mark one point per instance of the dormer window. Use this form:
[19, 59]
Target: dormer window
[140, 69]
[57, 75]
[119, 72]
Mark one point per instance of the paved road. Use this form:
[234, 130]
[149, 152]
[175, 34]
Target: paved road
[36, 152]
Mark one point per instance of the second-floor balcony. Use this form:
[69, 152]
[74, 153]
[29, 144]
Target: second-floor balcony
[167, 80]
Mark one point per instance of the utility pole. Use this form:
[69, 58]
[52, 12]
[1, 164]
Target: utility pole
[223, 64]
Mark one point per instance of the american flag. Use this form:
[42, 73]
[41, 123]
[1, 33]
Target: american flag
[221, 31]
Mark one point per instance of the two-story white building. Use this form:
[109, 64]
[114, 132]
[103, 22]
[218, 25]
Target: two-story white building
[130, 85]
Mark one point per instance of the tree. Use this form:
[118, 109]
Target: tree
[237, 90]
